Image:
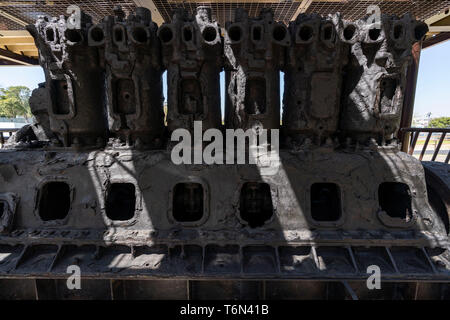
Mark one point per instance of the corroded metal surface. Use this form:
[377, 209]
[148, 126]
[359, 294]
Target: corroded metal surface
[100, 190]
[255, 50]
[313, 77]
[130, 55]
[192, 48]
[374, 88]
[73, 82]
[220, 243]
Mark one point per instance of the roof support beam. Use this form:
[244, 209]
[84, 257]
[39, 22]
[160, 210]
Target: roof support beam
[17, 58]
[439, 29]
[21, 47]
[4, 62]
[13, 18]
[15, 33]
[303, 6]
[438, 17]
[16, 41]
[436, 39]
[149, 4]
[234, 1]
[438, 23]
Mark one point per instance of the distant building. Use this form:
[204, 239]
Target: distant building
[421, 121]
[13, 123]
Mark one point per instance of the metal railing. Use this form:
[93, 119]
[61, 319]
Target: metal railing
[9, 131]
[440, 137]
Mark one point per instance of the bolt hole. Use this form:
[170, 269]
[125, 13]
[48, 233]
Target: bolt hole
[165, 34]
[327, 33]
[140, 35]
[306, 33]
[398, 30]
[187, 34]
[420, 31]
[209, 34]
[97, 34]
[73, 35]
[257, 36]
[349, 32]
[279, 33]
[118, 35]
[235, 33]
[374, 34]
[50, 35]
[54, 201]
[2, 208]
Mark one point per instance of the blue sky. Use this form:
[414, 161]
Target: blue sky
[433, 84]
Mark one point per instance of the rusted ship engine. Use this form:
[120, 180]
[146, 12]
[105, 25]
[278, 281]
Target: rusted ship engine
[91, 183]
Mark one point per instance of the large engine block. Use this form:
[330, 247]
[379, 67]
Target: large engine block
[92, 183]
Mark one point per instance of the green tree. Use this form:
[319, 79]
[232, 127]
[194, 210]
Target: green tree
[14, 102]
[442, 122]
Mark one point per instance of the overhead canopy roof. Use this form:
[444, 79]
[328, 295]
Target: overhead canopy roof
[17, 47]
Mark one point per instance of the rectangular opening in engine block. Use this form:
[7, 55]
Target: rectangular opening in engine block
[54, 201]
[121, 201]
[334, 260]
[124, 96]
[388, 88]
[325, 202]
[83, 254]
[256, 207]
[328, 33]
[188, 202]
[255, 96]
[153, 258]
[190, 97]
[60, 97]
[395, 199]
[2, 208]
